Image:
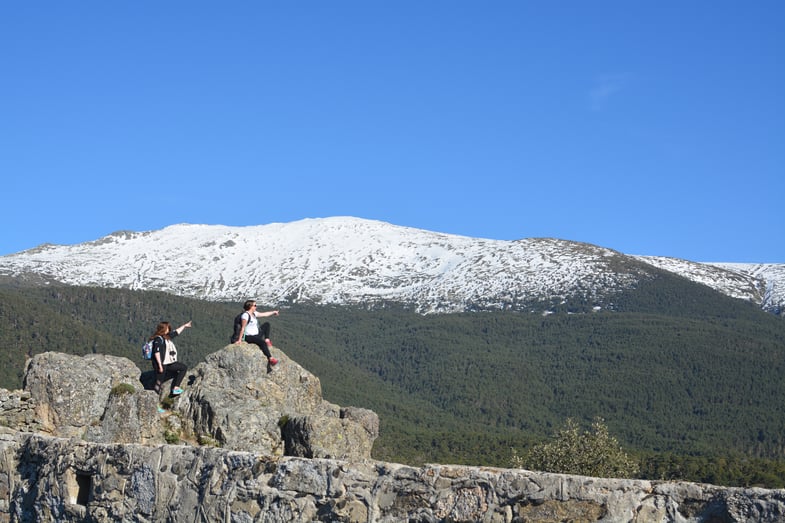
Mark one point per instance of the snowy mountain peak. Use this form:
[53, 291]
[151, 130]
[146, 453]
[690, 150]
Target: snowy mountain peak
[346, 260]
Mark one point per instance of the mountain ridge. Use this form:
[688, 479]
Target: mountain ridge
[347, 260]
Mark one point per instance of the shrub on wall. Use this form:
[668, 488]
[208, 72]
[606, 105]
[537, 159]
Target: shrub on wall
[573, 451]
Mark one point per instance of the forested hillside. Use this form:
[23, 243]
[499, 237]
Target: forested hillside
[689, 380]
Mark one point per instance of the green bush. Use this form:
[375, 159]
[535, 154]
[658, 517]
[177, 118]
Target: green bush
[587, 453]
[122, 388]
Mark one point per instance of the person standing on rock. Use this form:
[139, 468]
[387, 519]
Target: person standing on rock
[247, 328]
[164, 359]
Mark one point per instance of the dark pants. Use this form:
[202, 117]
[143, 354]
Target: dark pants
[258, 339]
[176, 371]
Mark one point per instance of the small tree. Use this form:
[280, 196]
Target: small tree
[588, 453]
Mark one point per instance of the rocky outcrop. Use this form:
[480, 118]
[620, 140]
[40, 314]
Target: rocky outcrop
[236, 400]
[83, 442]
[232, 400]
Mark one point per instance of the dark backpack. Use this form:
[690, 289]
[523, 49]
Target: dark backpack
[238, 325]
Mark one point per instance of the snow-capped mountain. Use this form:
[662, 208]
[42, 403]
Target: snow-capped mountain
[344, 260]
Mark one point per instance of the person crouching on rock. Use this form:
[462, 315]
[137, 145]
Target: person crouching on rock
[164, 359]
[247, 328]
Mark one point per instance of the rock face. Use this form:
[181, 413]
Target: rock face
[64, 480]
[82, 396]
[80, 443]
[236, 400]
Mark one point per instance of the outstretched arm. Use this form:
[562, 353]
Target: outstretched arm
[182, 327]
[266, 314]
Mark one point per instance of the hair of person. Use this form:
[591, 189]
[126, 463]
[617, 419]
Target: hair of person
[162, 329]
[248, 304]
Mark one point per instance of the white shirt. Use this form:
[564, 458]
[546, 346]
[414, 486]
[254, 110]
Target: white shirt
[252, 328]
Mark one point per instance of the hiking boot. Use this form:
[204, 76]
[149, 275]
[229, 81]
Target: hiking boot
[177, 391]
[273, 361]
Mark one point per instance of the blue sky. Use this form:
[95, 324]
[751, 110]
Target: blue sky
[650, 127]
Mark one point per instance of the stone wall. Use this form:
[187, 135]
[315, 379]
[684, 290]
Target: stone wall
[44, 478]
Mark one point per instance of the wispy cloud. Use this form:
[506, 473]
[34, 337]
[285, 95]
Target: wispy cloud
[605, 87]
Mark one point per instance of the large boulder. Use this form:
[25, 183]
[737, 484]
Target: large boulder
[95, 397]
[236, 400]
[349, 436]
